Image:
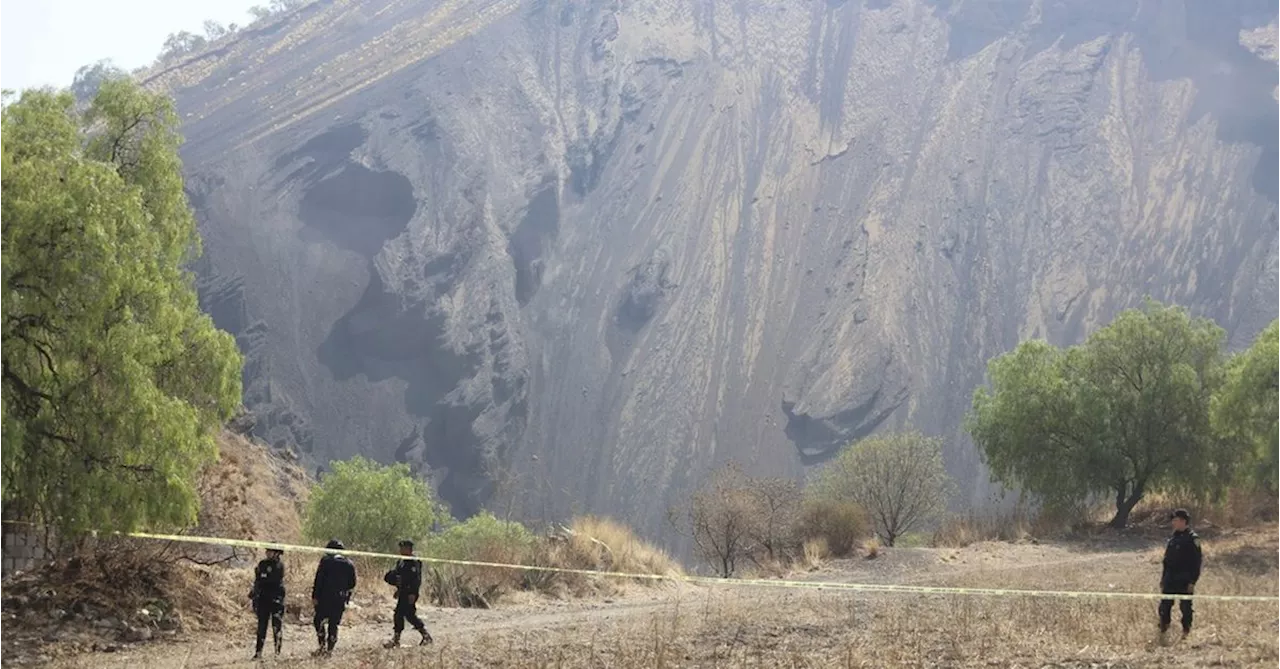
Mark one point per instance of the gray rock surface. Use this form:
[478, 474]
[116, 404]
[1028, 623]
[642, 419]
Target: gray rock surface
[573, 254]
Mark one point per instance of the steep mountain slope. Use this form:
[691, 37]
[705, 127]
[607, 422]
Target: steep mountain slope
[578, 252]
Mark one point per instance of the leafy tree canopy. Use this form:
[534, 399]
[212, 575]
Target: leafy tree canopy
[370, 506]
[1245, 411]
[1124, 414]
[114, 382]
[89, 79]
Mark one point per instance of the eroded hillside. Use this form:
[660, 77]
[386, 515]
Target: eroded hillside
[589, 249]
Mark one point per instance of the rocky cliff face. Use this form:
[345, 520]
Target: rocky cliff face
[574, 253]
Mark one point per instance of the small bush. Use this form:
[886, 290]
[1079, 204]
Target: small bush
[897, 478]
[482, 538]
[369, 506]
[871, 548]
[840, 524]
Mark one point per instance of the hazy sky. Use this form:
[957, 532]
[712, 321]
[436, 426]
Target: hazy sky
[44, 42]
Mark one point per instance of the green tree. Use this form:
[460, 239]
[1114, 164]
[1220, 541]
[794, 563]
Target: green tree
[214, 31]
[898, 479]
[114, 382]
[180, 44]
[370, 506]
[282, 6]
[1245, 409]
[90, 78]
[1124, 414]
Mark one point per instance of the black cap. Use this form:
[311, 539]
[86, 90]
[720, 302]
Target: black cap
[334, 544]
[1181, 513]
[406, 543]
[275, 549]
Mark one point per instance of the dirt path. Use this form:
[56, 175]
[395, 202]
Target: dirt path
[540, 618]
[207, 651]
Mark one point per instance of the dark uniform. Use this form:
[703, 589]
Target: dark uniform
[267, 596]
[1181, 571]
[335, 579]
[407, 579]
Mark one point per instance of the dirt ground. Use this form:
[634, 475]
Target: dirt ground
[735, 626]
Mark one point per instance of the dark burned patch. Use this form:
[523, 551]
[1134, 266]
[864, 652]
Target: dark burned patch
[528, 242]
[587, 160]
[819, 438]
[643, 293]
[359, 209]
[329, 148]
[387, 335]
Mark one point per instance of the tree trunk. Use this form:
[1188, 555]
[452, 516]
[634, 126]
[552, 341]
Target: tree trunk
[1124, 505]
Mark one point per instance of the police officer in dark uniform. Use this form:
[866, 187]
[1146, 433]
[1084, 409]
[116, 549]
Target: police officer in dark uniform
[1181, 570]
[267, 596]
[407, 579]
[335, 579]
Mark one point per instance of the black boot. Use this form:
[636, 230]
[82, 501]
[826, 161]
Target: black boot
[278, 638]
[426, 637]
[394, 642]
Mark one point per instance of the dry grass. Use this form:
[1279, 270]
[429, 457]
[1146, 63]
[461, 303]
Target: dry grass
[871, 548]
[964, 530]
[735, 628]
[599, 544]
[813, 554]
[249, 493]
[612, 546]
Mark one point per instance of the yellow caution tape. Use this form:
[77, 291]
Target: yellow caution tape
[708, 580]
[714, 581]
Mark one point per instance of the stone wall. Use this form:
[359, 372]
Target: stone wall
[22, 550]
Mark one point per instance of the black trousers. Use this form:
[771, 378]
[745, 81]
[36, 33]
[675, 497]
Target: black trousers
[406, 609]
[328, 618]
[1166, 605]
[269, 611]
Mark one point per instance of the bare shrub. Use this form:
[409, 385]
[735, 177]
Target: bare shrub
[775, 509]
[839, 524]
[720, 520]
[898, 478]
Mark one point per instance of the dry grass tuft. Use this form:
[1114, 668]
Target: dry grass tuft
[814, 553]
[611, 546]
[871, 548]
[597, 544]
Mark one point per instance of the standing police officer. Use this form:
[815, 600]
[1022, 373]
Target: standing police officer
[335, 579]
[407, 579]
[267, 596]
[1181, 570]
